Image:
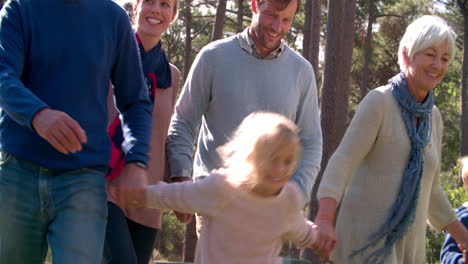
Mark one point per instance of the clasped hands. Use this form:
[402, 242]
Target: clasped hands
[326, 239]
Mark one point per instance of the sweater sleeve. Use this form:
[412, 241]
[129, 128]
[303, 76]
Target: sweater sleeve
[440, 213]
[130, 94]
[16, 99]
[355, 145]
[204, 197]
[450, 253]
[308, 120]
[303, 232]
[191, 105]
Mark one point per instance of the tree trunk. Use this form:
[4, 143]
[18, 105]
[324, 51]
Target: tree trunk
[188, 38]
[240, 16]
[190, 241]
[463, 5]
[311, 41]
[345, 75]
[367, 49]
[219, 20]
[307, 32]
[329, 102]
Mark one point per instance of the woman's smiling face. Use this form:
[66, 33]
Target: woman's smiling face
[426, 69]
[153, 17]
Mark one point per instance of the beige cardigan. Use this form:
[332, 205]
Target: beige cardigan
[157, 167]
[365, 173]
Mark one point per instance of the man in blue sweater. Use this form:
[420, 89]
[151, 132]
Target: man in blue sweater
[56, 60]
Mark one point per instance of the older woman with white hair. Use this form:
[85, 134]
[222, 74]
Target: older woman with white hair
[386, 170]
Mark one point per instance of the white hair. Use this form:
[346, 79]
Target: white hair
[423, 33]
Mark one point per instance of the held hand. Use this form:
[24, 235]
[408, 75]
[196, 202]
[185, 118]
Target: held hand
[465, 255]
[462, 247]
[60, 130]
[182, 217]
[326, 238]
[129, 188]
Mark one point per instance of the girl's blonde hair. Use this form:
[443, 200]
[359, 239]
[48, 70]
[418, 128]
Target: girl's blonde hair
[464, 170]
[259, 136]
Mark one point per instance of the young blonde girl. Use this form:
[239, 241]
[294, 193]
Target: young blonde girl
[249, 207]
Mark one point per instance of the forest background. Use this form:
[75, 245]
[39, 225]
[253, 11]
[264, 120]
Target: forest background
[352, 45]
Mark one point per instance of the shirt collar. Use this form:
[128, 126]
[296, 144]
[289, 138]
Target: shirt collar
[248, 45]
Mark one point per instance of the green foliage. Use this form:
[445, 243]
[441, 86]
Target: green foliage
[457, 196]
[434, 241]
[392, 18]
[170, 238]
[173, 41]
[447, 95]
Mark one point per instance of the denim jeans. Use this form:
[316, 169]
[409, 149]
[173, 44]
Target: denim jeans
[39, 207]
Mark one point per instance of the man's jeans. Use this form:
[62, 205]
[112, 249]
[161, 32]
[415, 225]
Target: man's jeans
[39, 206]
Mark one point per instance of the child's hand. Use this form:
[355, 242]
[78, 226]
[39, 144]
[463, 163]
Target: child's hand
[465, 256]
[182, 217]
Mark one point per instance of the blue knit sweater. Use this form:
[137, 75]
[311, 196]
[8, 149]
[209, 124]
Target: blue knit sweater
[450, 253]
[61, 54]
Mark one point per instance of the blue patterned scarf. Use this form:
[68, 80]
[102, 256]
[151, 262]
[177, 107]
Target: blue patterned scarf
[402, 212]
[156, 68]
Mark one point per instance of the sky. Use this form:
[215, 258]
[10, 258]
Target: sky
[121, 2]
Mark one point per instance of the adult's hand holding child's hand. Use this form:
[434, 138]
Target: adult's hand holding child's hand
[129, 188]
[326, 238]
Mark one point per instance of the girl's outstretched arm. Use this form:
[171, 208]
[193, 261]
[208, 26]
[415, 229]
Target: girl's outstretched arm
[204, 197]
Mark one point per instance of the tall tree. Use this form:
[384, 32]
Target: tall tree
[219, 20]
[463, 6]
[367, 48]
[190, 240]
[240, 16]
[330, 93]
[345, 69]
[128, 6]
[188, 37]
[311, 41]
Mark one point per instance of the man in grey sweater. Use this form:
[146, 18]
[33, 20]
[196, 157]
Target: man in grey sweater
[233, 77]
